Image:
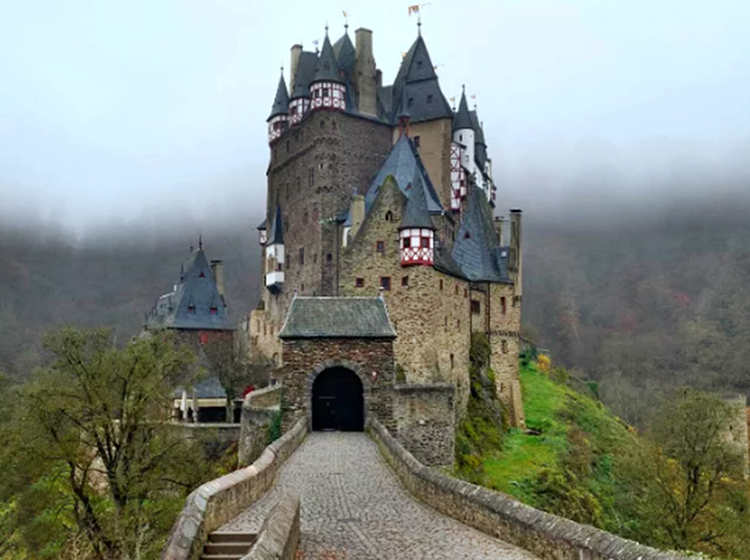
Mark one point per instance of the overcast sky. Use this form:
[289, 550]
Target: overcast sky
[113, 110]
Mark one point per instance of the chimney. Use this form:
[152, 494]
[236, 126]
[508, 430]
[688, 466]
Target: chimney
[365, 73]
[499, 223]
[516, 256]
[358, 214]
[296, 51]
[217, 269]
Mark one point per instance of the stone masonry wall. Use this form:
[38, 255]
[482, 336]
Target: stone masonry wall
[425, 421]
[214, 503]
[505, 338]
[314, 169]
[430, 313]
[548, 536]
[258, 411]
[371, 359]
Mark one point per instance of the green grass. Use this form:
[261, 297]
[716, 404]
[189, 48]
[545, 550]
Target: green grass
[551, 408]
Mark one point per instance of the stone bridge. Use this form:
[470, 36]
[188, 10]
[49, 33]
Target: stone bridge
[337, 496]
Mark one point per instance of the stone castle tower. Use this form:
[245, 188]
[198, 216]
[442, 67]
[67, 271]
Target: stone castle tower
[384, 191]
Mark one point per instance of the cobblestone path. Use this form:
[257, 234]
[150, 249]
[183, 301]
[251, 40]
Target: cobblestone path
[354, 507]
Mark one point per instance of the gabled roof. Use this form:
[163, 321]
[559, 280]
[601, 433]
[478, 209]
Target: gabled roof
[337, 317]
[195, 302]
[305, 74]
[327, 68]
[416, 214]
[346, 54]
[425, 100]
[403, 163]
[281, 102]
[476, 246]
[276, 235]
[462, 118]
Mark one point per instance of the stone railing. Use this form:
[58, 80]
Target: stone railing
[214, 503]
[279, 536]
[548, 536]
[264, 398]
[258, 411]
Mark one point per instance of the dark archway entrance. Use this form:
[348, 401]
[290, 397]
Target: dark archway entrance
[338, 401]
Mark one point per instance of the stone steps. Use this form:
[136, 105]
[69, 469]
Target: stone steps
[227, 546]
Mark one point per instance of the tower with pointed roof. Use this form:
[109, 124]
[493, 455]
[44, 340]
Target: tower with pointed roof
[383, 190]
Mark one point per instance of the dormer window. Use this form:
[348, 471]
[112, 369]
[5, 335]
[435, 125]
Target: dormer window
[411, 100]
[429, 99]
[191, 309]
[202, 274]
[214, 310]
[419, 64]
[467, 235]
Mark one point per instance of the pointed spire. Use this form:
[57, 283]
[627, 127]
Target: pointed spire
[276, 231]
[462, 118]
[281, 102]
[416, 214]
[328, 67]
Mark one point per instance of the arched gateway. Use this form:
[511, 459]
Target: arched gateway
[338, 401]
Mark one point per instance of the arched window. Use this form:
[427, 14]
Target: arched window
[389, 216]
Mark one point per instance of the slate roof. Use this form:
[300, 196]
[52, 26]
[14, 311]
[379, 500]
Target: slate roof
[327, 68]
[445, 262]
[196, 290]
[209, 388]
[281, 102]
[462, 118]
[306, 66]
[403, 163]
[476, 249]
[337, 317]
[418, 76]
[346, 55]
[416, 214]
[480, 148]
[276, 231]
[262, 226]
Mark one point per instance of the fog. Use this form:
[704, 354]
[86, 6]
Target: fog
[131, 115]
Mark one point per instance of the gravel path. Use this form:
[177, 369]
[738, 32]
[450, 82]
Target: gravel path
[354, 507]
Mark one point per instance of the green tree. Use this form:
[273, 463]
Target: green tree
[686, 487]
[94, 463]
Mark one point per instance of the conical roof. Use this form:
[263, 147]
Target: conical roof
[416, 214]
[281, 102]
[276, 231]
[328, 68]
[346, 54]
[304, 74]
[463, 117]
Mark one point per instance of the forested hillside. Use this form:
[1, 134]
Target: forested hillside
[642, 300]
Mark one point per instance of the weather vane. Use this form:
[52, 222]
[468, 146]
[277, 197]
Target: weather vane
[417, 9]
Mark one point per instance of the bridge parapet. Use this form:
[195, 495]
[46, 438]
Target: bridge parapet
[548, 536]
[279, 536]
[214, 503]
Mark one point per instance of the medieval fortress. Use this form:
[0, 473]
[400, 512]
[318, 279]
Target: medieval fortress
[380, 235]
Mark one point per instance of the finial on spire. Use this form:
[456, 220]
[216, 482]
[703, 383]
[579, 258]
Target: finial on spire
[200, 241]
[326, 29]
[346, 22]
[419, 24]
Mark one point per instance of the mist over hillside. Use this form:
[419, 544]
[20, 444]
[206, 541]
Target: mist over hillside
[638, 279]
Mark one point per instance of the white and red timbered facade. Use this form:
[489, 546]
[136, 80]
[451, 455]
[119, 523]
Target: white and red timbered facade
[297, 109]
[458, 177]
[277, 126]
[328, 95]
[417, 246]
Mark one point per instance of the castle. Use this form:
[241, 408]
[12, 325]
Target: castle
[380, 233]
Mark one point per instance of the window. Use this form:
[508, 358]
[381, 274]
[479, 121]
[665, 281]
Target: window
[380, 247]
[456, 289]
[503, 306]
[408, 103]
[419, 63]
[417, 142]
[302, 256]
[467, 235]
[466, 292]
[504, 345]
[407, 242]
[191, 308]
[446, 321]
[460, 137]
[302, 288]
[452, 361]
[405, 281]
[214, 310]
[429, 99]
[202, 274]
[476, 307]
[458, 323]
[311, 177]
[389, 216]
[315, 258]
[329, 257]
[359, 283]
[385, 283]
[425, 243]
[441, 284]
[325, 90]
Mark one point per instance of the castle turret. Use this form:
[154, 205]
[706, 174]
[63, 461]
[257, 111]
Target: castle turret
[278, 120]
[463, 133]
[304, 71]
[417, 232]
[328, 90]
[275, 254]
